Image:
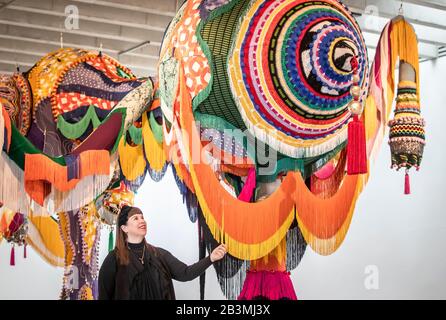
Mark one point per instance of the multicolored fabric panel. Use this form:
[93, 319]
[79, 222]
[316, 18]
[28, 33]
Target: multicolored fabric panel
[80, 78]
[44, 76]
[290, 72]
[15, 96]
[181, 42]
[93, 82]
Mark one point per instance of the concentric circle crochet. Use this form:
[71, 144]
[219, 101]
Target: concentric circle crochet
[290, 72]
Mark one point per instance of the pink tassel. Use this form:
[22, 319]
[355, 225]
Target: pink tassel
[407, 184]
[356, 147]
[248, 188]
[270, 285]
[12, 258]
[24, 251]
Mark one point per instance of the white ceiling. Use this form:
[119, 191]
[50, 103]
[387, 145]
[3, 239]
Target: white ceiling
[29, 28]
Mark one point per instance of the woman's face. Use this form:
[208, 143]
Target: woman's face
[136, 225]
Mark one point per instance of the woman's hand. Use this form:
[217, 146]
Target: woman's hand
[218, 253]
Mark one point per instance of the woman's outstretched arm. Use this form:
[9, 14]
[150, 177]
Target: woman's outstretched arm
[182, 272]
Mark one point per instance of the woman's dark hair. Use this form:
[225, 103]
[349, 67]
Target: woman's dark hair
[121, 250]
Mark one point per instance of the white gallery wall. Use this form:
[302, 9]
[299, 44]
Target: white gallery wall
[395, 248]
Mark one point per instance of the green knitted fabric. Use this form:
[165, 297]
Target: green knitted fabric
[218, 33]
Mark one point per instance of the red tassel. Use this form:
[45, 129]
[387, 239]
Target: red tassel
[356, 147]
[407, 184]
[24, 251]
[12, 258]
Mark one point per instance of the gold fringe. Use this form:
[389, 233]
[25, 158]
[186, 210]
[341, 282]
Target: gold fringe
[44, 238]
[153, 150]
[329, 245]
[404, 44]
[131, 158]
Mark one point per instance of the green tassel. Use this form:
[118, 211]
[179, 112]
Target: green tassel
[110, 241]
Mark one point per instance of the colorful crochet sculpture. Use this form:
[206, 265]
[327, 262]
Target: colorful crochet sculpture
[85, 107]
[266, 111]
[253, 78]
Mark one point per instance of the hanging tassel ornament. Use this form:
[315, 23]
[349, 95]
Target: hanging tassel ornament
[356, 146]
[407, 183]
[406, 134]
[12, 258]
[24, 251]
[110, 240]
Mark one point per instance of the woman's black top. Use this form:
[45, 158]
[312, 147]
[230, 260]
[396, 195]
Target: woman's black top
[149, 281]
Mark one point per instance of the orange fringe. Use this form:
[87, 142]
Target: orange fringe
[329, 245]
[324, 217]
[41, 172]
[326, 188]
[273, 261]
[252, 230]
[185, 176]
[235, 221]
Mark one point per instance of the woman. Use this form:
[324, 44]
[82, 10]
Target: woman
[136, 270]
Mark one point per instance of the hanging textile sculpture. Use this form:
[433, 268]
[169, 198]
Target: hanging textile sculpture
[64, 125]
[277, 100]
[83, 104]
[240, 80]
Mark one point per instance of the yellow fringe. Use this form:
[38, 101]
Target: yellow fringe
[273, 261]
[46, 241]
[330, 245]
[153, 150]
[133, 164]
[404, 44]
